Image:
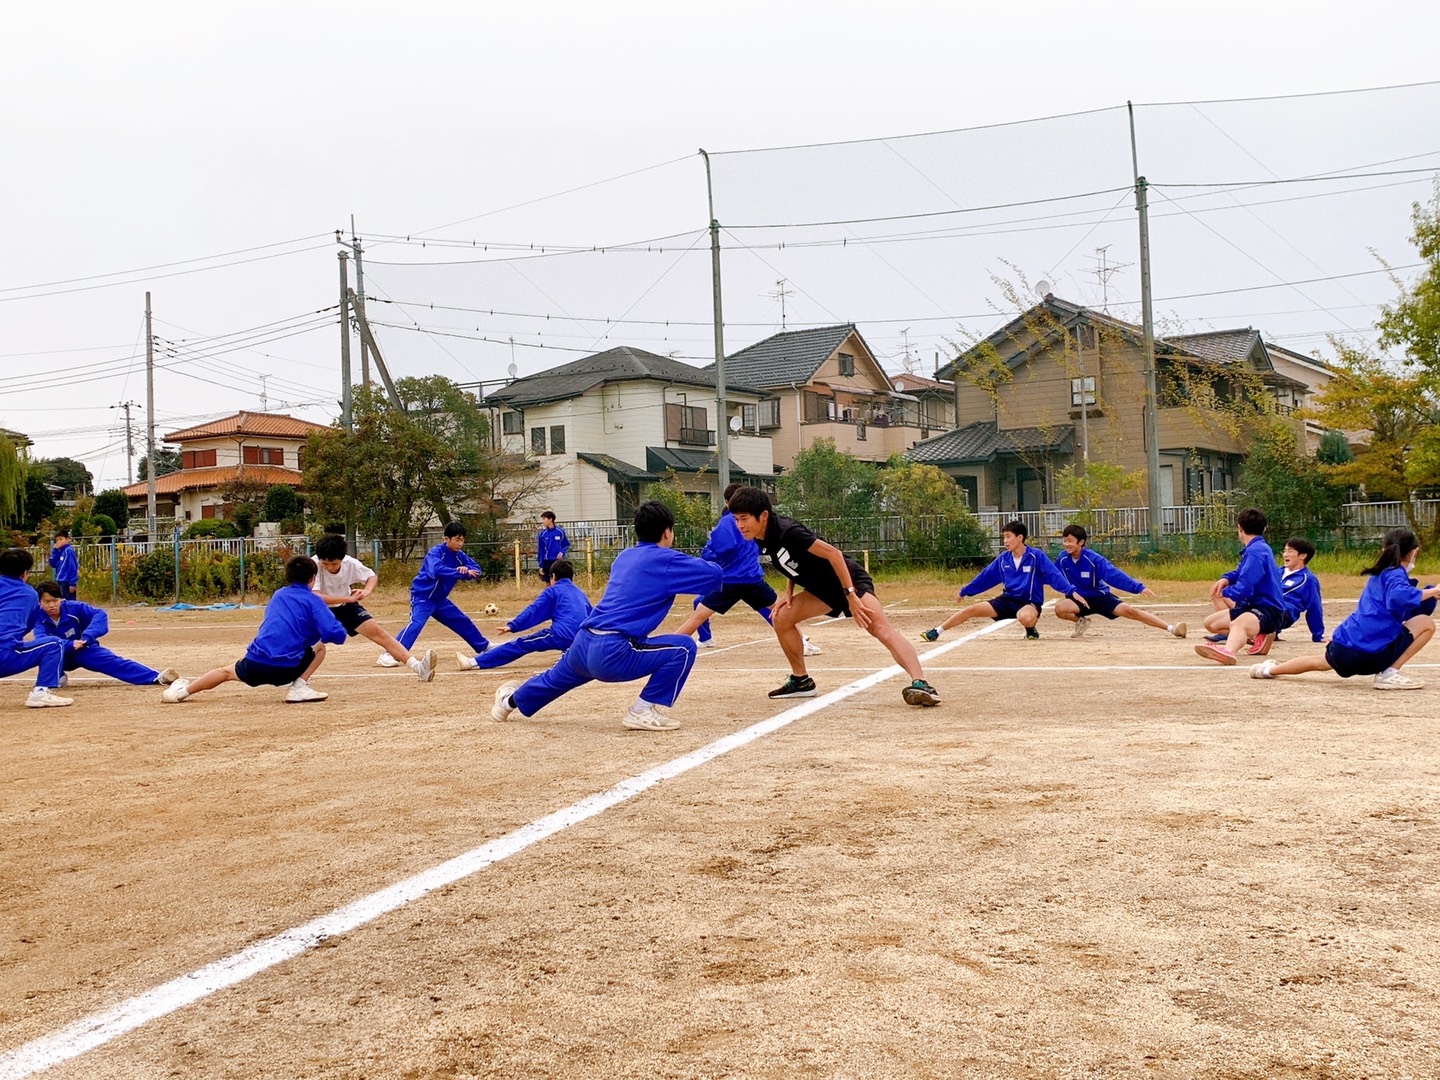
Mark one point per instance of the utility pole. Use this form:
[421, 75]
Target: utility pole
[129, 441]
[360, 303]
[1147, 322]
[722, 426]
[346, 416]
[149, 423]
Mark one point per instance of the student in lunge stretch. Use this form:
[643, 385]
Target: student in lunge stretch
[832, 585]
[562, 602]
[614, 643]
[1024, 572]
[1392, 623]
[81, 627]
[343, 582]
[1091, 575]
[19, 612]
[445, 564]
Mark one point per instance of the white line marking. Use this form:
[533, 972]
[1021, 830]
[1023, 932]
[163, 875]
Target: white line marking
[99, 1028]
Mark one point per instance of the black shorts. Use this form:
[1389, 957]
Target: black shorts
[545, 566]
[1102, 604]
[1272, 619]
[758, 594]
[67, 588]
[834, 594]
[1348, 662]
[351, 616]
[254, 673]
[1007, 606]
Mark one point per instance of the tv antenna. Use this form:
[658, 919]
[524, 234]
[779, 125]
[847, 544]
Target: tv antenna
[1102, 273]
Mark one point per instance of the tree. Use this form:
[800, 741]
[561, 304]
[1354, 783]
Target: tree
[39, 504]
[693, 516]
[1292, 488]
[166, 461]
[1334, 449]
[14, 471]
[281, 504]
[934, 511]
[828, 483]
[114, 505]
[1097, 483]
[67, 473]
[1412, 323]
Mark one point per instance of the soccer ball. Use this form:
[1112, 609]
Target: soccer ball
[491, 609]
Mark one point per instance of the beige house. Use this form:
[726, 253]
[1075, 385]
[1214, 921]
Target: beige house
[245, 452]
[825, 383]
[1062, 385]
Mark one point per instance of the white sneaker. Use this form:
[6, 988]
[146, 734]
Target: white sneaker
[811, 649]
[1397, 680]
[166, 677]
[179, 690]
[1179, 630]
[647, 717]
[466, 661]
[705, 643]
[386, 660]
[42, 698]
[1263, 670]
[64, 682]
[423, 666]
[1081, 625]
[502, 710]
[300, 691]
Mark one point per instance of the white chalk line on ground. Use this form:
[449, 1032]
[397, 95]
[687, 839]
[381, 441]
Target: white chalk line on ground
[102, 1027]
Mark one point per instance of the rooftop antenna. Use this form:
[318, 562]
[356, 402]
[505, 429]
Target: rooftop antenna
[264, 401]
[1102, 272]
[513, 368]
[905, 361]
[780, 295]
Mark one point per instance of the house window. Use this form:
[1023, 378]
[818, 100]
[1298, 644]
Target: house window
[847, 364]
[537, 440]
[769, 413]
[208, 511]
[688, 424]
[262, 455]
[197, 459]
[1082, 391]
[557, 439]
[512, 423]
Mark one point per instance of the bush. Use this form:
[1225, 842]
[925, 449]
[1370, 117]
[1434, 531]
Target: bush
[211, 529]
[104, 524]
[151, 576]
[281, 504]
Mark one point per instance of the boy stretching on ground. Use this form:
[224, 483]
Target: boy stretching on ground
[1299, 594]
[1254, 588]
[81, 627]
[1091, 575]
[1392, 623]
[343, 582]
[562, 602]
[613, 643]
[19, 612]
[289, 648]
[445, 564]
[833, 585]
[1024, 572]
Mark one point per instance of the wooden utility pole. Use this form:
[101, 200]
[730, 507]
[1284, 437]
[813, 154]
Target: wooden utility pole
[149, 423]
[347, 416]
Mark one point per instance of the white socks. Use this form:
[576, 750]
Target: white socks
[413, 663]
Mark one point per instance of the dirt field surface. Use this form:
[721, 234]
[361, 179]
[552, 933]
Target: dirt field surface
[1103, 857]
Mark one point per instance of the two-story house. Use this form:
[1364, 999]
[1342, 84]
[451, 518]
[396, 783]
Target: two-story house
[606, 426]
[245, 452]
[826, 383]
[1062, 385]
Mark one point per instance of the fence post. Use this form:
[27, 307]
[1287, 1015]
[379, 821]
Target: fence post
[177, 564]
[517, 564]
[114, 572]
[375, 555]
[589, 563]
[866, 555]
[242, 571]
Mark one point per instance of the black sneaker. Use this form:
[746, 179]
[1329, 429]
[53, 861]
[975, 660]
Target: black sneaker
[1032, 634]
[920, 692]
[795, 686]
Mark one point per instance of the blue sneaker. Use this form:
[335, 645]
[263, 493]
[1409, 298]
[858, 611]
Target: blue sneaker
[930, 635]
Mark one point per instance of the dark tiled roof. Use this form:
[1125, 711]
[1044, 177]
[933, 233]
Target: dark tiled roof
[782, 359]
[617, 470]
[621, 364]
[660, 459]
[979, 443]
[1221, 346]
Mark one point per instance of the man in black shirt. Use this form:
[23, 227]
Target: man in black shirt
[832, 584]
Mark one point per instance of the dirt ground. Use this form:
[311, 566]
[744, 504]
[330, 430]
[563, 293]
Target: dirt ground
[1103, 857]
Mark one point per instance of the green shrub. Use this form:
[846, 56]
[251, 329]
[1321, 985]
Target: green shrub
[211, 529]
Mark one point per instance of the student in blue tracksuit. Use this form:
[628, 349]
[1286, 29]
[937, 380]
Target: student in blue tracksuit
[1091, 575]
[65, 564]
[81, 627]
[19, 614]
[1253, 587]
[289, 647]
[1392, 623]
[562, 602]
[444, 565]
[1024, 572]
[614, 645]
[551, 544]
[1300, 590]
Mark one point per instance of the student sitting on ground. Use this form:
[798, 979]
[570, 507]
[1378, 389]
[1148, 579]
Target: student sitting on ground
[1091, 575]
[1299, 592]
[1392, 623]
[343, 582]
[19, 612]
[288, 649]
[1254, 588]
[81, 627]
[562, 602]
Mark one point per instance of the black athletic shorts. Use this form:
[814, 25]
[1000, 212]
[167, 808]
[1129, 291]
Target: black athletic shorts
[1348, 662]
[254, 673]
[1102, 604]
[1272, 619]
[835, 596]
[1007, 606]
[351, 616]
[758, 594]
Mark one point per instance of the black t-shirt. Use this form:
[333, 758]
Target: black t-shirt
[788, 544]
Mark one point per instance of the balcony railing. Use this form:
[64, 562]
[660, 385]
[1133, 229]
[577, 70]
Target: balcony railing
[697, 436]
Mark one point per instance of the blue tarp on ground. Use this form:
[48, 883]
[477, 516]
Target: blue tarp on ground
[206, 607]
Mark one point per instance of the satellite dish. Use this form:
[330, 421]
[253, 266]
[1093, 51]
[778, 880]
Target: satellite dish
[512, 370]
[735, 424]
[1042, 289]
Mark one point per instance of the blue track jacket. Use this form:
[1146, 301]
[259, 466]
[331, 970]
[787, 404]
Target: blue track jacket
[19, 611]
[77, 620]
[295, 620]
[1257, 579]
[1388, 600]
[66, 564]
[1299, 592]
[439, 572]
[551, 544]
[1025, 581]
[738, 558]
[643, 585]
[1092, 574]
[563, 603]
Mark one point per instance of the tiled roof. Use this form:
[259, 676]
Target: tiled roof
[908, 383]
[981, 442]
[217, 476]
[248, 423]
[1221, 346]
[620, 364]
[618, 471]
[790, 357]
[659, 459]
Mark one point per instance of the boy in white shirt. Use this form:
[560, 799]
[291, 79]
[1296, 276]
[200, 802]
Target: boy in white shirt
[343, 582]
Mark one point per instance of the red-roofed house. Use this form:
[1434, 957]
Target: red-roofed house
[244, 451]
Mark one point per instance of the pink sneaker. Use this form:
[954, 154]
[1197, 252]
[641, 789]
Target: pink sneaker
[1219, 653]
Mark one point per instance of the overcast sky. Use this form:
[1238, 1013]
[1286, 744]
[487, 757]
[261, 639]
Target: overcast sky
[208, 153]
